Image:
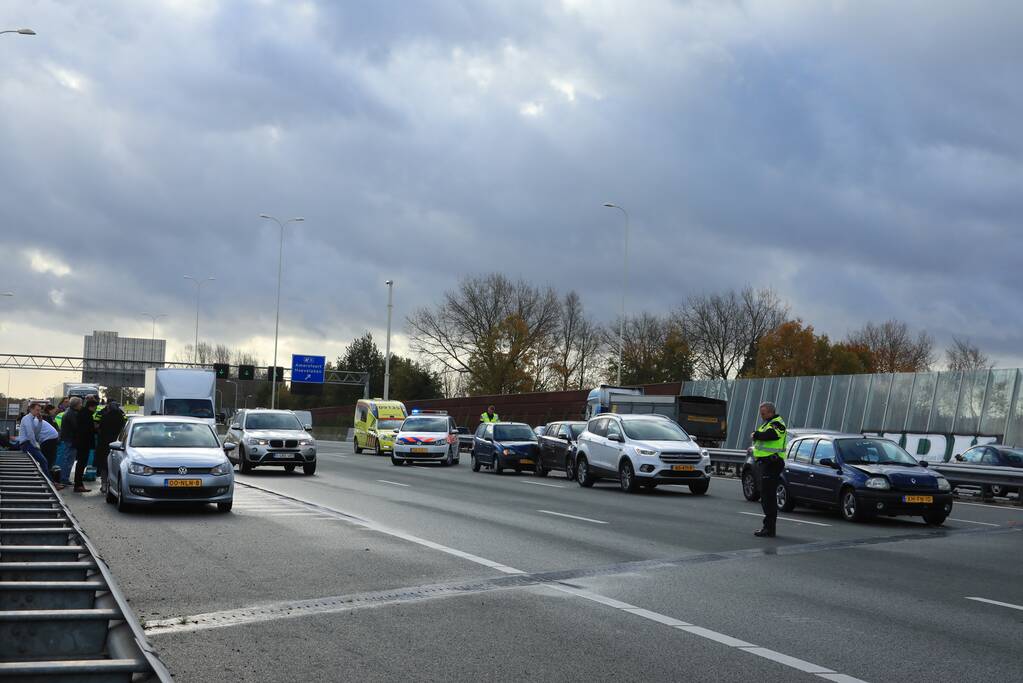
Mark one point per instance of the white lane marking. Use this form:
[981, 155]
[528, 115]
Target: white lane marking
[715, 636]
[996, 602]
[581, 519]
[839, 678]
[654, 616]
[787, 660]
[787, 519]
[970, 521]
[993, 507]
[539, 483]
[393, 483]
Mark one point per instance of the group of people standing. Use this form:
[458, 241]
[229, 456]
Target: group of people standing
[59, 437]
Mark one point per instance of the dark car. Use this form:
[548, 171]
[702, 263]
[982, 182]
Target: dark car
[862, 477]
[992, 455]
[748, 474]
[504, 445]
[557, 448]
[465, 439]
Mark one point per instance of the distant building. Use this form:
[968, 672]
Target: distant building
[103, 350]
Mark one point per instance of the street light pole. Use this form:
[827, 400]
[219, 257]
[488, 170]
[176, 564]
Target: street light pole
[198, 289]
[154, 318]
[227, 381]
[22, 31]
[625, 284]
[387, 351]
[277, 319]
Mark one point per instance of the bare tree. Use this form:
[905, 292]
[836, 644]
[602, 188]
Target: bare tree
[575, 343]
[893, 347]
[962, 356]
[490, 328]
[656, 350]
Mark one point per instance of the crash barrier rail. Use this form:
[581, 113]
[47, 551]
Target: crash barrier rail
[62, 618]
[984, 476]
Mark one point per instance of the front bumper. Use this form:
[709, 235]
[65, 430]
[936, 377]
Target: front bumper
[405, 452]
[520, 460]
[266, 455]
[153, 489]
[892, 503]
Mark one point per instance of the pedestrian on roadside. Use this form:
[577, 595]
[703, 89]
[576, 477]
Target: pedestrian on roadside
[85, 441]
[110, 425]
[66, 452]
[769, 441]
[28, 436]
[490, 415]
[62, 406]
[49, 439]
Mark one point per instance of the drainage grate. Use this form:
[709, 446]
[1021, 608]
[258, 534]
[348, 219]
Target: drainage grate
[62, 619]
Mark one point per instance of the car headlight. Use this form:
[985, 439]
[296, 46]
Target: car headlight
[943, 484]
[645, 451]
[253, 441]
[136, 468]
[222, 468]
[506, 452]
[878, 483]
[306, 442]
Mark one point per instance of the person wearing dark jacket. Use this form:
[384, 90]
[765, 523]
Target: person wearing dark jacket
[68, 432]
[85, 441]
[110, 425]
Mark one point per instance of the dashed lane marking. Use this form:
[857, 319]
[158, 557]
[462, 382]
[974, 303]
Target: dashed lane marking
[581, 519]
[970, 521]
[997, 602]
[787, 519]
[393, 483]
[540, 483]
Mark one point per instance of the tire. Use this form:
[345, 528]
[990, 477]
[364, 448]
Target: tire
[996, 490]
[569, 468]
[786, 503]
[497, 466]
[225, 507]
[122, 506]
[850, 507]
[582, 472]
[936, 518]
[376, 447]
[450, 460]
[474, 461]
[111, 498]
[699, 488]
[627, 477]
[539, 470]
[395, 461]
[289, 468]
[749, 486]
[358, 448]
[244, 466]
[309, 469]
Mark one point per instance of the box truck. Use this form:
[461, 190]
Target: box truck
[705, 419]
[80, 390]
[181, 391]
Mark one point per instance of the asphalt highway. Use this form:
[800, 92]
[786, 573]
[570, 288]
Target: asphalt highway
[367, 571]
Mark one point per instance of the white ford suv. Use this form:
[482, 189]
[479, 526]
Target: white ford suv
[641, 451]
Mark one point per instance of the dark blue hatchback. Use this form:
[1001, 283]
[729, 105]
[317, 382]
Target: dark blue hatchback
[862, 477]
[505, 445]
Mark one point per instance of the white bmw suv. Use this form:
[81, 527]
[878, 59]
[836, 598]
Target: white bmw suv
[641, 451]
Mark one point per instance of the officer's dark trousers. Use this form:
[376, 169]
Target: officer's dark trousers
[769, 470]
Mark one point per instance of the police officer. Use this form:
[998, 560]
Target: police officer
[769, 458]
[490, 415]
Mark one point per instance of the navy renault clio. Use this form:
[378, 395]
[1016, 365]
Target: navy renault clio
[504, 445]
[862, 477]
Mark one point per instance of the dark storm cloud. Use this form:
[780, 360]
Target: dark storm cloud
[869, 154]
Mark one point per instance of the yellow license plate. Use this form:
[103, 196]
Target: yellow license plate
[188, 483]
[918, 499]
[420, 450]
[682, 468]
[525, 461]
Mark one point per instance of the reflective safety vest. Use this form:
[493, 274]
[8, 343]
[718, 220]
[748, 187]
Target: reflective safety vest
[487, 418]
[57, 419]
[763, 449]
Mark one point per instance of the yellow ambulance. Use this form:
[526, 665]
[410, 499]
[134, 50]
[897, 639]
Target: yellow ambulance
[376, 422]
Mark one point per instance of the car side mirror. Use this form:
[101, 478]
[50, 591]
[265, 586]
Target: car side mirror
[230, 446]
[614, 437]
[236, 426]
[566, 438]
[307, 427]
[923, 463]
[116, 446]
[827, 462]
[960, 458]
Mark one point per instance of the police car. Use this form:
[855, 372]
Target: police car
[427, 436]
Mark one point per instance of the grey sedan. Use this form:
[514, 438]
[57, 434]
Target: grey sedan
[163, 459]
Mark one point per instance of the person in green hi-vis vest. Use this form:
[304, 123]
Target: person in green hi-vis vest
[769, 442]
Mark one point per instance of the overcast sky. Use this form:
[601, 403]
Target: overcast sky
[863, 158]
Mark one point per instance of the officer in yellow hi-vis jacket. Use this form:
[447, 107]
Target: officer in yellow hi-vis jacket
[769, 442]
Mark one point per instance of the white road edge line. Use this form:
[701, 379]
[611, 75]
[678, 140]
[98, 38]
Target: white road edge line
[540, 483]
[394, 483]
[996, 602]
[581, 519]
[993, 507]
[787, 519]
[970, 521]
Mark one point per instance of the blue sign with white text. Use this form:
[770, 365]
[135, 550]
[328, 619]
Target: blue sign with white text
[307, 368]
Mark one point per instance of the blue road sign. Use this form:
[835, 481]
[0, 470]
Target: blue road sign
[307, 368]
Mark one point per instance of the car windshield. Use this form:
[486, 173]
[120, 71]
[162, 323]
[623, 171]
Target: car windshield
[577, 429]
[425, 424]
[873, 452]
[173, 435]
[1013, 456]
[389, 423]
[654, 430]
[285, 421]
[513, 433]
[188, 407]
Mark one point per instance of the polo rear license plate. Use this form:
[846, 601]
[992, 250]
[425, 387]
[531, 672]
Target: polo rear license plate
[184, 483]
[918, 499]
[525, 461]
[682, 468]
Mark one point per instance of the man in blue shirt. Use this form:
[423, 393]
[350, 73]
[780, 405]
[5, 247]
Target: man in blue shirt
[28, 436]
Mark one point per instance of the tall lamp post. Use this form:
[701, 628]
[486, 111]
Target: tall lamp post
[277, 319]
[198, 288]
[154, 318]
[387, 347]
[625, 283]
[22, 31]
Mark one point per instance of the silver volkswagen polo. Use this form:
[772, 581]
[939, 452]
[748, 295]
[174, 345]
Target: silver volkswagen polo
[163, 459]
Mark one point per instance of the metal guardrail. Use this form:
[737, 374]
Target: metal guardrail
[727, 456]
[983, 476]
[62, 618]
